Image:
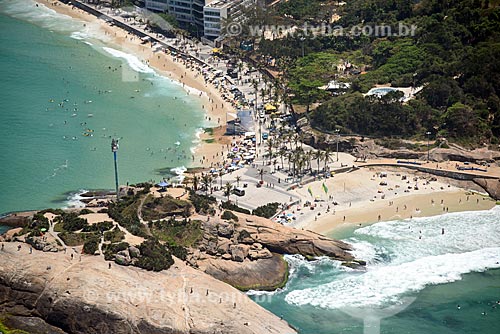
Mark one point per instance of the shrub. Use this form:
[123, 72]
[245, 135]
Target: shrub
[110, 250]
[266, 211]
[233, 207]
[98, 227]
[178, 251]
[154, 256]
[85, 212]
[71, 222]
[91, 246]
[76, 239]
[202, 203]
[115, 235]
[228, 215]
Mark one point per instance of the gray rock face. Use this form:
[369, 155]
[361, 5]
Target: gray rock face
[123, 258]
[259, 254]
[87, 297]
[225, 229]
[39, 243]
[239, 252]
[134, 251]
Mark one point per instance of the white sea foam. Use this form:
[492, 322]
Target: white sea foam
[75, 200]
[406, 256]
[179, 172]
[386, 284]
[132, 61]
[41, 15]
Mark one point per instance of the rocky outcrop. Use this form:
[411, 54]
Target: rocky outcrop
[247, 254]
[492, 187]
[261, 274]
[18, 219]
[87, 297]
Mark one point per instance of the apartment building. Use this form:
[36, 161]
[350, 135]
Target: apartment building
[207, 15]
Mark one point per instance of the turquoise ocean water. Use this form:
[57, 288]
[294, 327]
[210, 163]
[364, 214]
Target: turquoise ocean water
[45, 56]
[53, 139]
[452, 280]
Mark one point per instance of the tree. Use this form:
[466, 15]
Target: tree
[327, 157]
[227, 190]
[238, 179]
[318, 155]
[206, 179]
[196, 181]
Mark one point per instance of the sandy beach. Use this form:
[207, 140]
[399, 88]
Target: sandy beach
[367, 196]
[167, 65]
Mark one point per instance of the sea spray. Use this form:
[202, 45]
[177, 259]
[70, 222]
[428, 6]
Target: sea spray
[406, 256]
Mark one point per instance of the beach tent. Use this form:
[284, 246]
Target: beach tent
[163, 184]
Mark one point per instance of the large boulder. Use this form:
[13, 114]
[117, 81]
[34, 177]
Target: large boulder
[223, 246]
[239, 252]
[134, 252]
[254, 254]
[225, 229]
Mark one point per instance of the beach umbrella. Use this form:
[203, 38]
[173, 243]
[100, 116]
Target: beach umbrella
[163, 184]
[43, 229]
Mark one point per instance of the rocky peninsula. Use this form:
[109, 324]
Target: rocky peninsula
[75, 271]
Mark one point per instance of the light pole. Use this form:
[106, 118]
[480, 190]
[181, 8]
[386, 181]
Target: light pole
[302, 39]
[337, 132]
[428, 133]
[114, 149]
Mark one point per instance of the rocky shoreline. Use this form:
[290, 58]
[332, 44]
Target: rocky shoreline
[89, 297]
[54, 285]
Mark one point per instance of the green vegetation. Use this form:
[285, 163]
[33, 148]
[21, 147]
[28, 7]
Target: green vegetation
[124, 212]
[453, 54]
[91, 246]
[6, 330]
[98, 227]
[233, 207]
[202, 203]
[184, 232]
[228, 215]
[115, 235]
[70, 222]
[110, 250]
[154, 256]
[161, 207]
[266, 211]
[85, 212]
[77, 239]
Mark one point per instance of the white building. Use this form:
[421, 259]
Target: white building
[207, 15]
[217, 12]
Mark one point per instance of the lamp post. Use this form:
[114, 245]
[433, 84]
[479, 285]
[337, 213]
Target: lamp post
[302, 40]
[428, 133]
[114, 149]
[337, 132]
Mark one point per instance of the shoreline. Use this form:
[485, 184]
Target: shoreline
[184, 74]
[364, 202]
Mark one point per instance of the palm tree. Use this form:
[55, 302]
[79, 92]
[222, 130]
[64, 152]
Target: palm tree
[196, 181]
[327, 156]
[238, 179]
[227, 190]
[270, 145]
[206, 179]
[309, 155]
[282, 153]
[318, 155]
